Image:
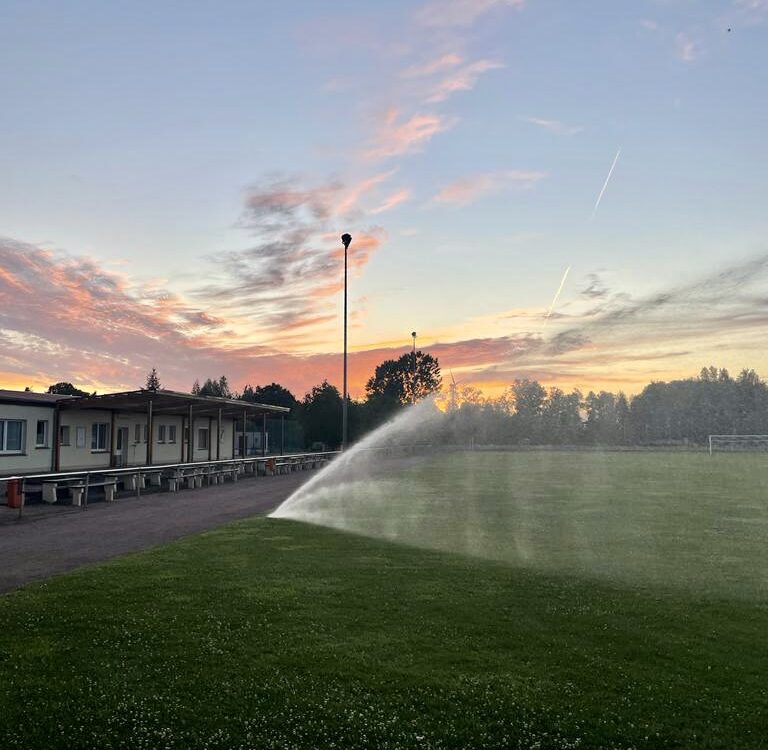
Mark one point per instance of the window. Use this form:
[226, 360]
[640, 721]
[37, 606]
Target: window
[80, 437]
[11, 435]
[64, 434]
[137, 434]
[202, 439]
[186, 434]
[41, 437]
[161, 433]
[99, 436]
[171, 433]
[146, 432]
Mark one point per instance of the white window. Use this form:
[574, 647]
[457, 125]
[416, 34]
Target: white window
[41, 437]
[12, 435]
[64, 436]
[137, 433]
[171, 433]
[161, 433]
[80, 437]
[99, 436]
[202, 439]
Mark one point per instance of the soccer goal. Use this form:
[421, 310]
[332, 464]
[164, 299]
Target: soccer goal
[738, 443]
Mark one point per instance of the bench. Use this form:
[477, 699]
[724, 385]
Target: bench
[109, 486]
[50, 487]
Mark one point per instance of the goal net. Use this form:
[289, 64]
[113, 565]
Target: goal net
[738, 443]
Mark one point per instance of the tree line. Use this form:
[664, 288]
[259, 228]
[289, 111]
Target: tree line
[527, 413]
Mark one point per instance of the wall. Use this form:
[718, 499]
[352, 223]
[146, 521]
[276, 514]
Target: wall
[32, 459]
[72, 457]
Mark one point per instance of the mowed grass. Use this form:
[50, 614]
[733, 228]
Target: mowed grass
[275, 634]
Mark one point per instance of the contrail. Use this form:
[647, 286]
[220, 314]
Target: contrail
[557, 294]
[605, 185]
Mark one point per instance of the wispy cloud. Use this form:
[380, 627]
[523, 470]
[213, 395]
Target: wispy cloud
[397, 136]
[470, 188]
[447, 13]
[686, 49]
[391, 201]
[462, 79]
[554, 126]
[436, 65]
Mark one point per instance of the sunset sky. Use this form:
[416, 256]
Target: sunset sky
[174, 178]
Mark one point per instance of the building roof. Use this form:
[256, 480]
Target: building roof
[28, 397]
[173, 402]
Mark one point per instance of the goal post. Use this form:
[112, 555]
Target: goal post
[738, 443]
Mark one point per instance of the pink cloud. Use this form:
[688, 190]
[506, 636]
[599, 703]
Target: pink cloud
[397, 137]
[468, 189]
[437, 65]
[554, 126]
[463, 79]
[392, 200]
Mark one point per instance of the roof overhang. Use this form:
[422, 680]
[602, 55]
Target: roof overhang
[173, 403]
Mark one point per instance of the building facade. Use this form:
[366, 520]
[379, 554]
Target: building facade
[46, 432]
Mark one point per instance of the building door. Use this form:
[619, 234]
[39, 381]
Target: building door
[121, 449]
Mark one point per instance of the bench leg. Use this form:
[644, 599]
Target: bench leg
[109, 493]
[173, 484]
[49, 493]
[77, 497]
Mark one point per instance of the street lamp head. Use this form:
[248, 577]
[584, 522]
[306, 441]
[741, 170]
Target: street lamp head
[345, 240]
[413, 333]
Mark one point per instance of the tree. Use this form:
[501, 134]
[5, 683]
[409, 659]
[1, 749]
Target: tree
[66, 389]
[273, 394]
[218, 388]
[396, 381]
[321, 415]
[153, 381]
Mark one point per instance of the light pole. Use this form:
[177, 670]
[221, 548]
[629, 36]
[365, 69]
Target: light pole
[413, 381]
[346, 239]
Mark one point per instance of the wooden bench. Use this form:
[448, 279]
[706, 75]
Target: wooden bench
[79, 489]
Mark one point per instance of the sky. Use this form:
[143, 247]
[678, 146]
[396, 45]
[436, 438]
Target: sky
[175, 177]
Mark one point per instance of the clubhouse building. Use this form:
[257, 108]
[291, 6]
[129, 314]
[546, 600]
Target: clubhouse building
[42, 432]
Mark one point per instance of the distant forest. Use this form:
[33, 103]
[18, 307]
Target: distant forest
[675, 413]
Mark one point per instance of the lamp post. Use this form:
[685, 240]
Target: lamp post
[346, 239]
[413, 381]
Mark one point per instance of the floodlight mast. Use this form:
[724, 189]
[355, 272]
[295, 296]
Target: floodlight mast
[413, 379]
[346, 239]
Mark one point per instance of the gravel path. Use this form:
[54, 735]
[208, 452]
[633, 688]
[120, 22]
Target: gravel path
[52, 540]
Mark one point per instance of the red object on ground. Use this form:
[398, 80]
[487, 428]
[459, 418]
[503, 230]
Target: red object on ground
[14, 496]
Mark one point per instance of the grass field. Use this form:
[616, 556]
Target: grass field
[270, 633]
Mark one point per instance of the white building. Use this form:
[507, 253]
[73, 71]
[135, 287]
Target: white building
[44, 432]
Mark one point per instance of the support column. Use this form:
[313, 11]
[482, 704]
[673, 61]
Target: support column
[191, 437]
[264, 434]
[218, 436]
[112, 439]
[282, 434]
[210, 436]
[56, 455]
[150, 433]
[244, 451]
[181, 438]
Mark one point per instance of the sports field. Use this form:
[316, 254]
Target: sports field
[270, 633]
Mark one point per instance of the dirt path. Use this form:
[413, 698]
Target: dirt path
[43, 543]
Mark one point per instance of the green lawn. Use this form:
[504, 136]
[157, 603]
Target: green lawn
[270, 633]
